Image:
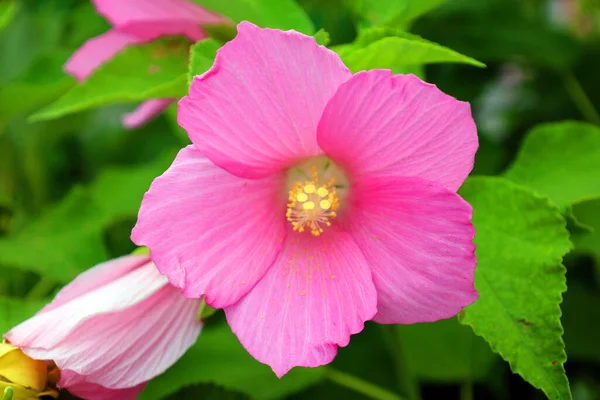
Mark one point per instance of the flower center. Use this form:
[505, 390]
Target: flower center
[312, 204]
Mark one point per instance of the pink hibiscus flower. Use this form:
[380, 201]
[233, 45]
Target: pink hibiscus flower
[112, 329]
[313, 200]
[135, 22]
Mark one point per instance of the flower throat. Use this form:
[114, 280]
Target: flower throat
[312, 205]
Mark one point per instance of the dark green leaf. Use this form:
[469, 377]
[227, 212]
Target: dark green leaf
[581, 319]
[207, 392]
[61, 243]
[445, 351]
[219, 358]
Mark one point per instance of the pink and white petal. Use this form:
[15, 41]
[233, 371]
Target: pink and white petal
[418, 239]
[76, 385]
[150, 19]
[211, 233]
[47, 329]
[317, 293]
[143, 341]
[145, 112]
[96, 277]
[256, 110]
[379, 125]
[96, 52]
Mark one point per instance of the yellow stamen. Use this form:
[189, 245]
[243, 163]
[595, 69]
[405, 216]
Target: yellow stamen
[310, 188]
[312, 205]
[309, 205]
[322, 192]
[301, 197]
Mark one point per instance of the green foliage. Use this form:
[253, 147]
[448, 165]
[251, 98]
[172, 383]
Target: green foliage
[282, 14]
[521, 239]
[41, 83]
[14, 311]
[76, 224]
[501, 31]
[154, 70]
[70, 187]
[392, 12]
[445, 351]
[207, 392]
[8, 8]
[202, 55]
[390, 48]
[581, 319]
[588, 240]
[61, 243]
[560, 160]
[219, 358]
[322, 37]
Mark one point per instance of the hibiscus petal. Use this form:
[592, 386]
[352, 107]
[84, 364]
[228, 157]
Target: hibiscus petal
[317, 293]
[96, 52]
[143, 323]
[417, 237]
[76, 385]
[149, 20]
[379, 125]
[96, 277]
[145, 112]
[256, 110]
[210, 232]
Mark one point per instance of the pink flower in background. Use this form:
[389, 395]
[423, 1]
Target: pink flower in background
[112, 329]
[135, 22]
[313, 200]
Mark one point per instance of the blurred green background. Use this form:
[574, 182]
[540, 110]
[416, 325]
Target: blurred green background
[70, 187]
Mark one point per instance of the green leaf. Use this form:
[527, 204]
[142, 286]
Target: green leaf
[322, 37]
[41, 83]
[393, 12]
[8, 9]
[588, 214]
[445, 351]
[207, 392]
[219, 358]
[520, 240]
[118, 191]
[202, 56]
[15, 311]
[560, 160]
[390, 48]
[281, 14]
[61, 243]
[154, 70]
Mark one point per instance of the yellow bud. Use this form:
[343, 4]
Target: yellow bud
[27, 377]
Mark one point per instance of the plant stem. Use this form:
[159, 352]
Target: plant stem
[40, 289]
[466, 390]
[359, 385]
[579, 97]
[406, 381]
